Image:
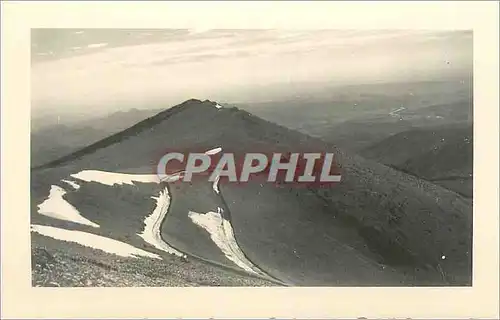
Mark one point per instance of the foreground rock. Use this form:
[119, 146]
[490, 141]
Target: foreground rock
[83, 267]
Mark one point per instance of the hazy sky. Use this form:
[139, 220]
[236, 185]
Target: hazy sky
[101, 70]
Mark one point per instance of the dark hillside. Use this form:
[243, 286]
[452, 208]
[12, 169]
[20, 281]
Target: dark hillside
[438, 154]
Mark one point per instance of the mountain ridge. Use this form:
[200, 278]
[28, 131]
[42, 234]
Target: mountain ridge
[121, 135]
[376, 217]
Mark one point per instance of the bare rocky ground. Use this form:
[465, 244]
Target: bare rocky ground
[63, 264]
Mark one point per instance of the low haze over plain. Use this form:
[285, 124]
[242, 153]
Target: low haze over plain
[107, 70]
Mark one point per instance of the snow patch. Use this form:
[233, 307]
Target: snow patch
[221, 233]
[215, 185]
[151, 232]
[213, 151]
[218, 106]
[93, 241]
[56, 207]
[72, 183]
[111, 178]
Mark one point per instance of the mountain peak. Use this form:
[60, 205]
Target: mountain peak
[189, 107]
[192, 101]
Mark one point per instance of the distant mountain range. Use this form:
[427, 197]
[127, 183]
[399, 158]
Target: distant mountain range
[52, 139]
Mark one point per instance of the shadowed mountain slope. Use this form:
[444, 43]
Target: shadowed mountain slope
[55, 140]
[439, 154]
[377, 227]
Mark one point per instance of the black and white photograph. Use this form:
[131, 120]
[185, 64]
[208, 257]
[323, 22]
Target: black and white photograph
[393, 107]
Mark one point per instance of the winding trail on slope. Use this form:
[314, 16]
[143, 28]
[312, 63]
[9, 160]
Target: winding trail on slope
[226, 215]
[229, 231]
[263, 274]
[223, 235]
[155, 220]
